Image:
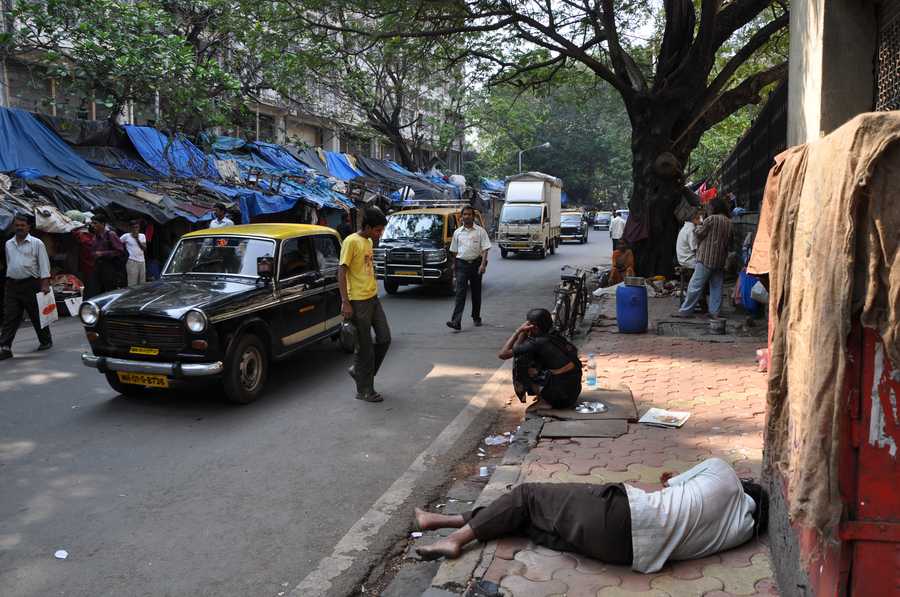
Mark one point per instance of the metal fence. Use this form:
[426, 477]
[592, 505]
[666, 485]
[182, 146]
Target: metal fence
[745, 170]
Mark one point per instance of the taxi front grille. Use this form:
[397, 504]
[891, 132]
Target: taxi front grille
[404, 257]
[167, 336]
[518, 237]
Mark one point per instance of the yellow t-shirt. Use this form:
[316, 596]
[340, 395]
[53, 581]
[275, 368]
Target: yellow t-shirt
[356, 254]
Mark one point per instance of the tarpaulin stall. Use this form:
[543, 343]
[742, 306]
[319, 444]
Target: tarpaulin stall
[311, 158]
[451, 190]
[383, 170]
[828, 240]
[340, 167]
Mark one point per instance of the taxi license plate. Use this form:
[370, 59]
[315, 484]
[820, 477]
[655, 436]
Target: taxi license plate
[405, 273]
[144, 350]
[144, 379]
[519, 245]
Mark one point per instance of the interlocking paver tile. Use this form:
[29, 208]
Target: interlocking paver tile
[740, 556]
[621, 592]
[499, 569]
[585, 585]
[741, 580]
[766, 586]
[588, 565]
[693, 569]
[519, 586]
[541, 566]
[508, 547]
[686, 588]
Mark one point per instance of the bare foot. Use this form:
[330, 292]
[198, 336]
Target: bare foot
[424, 520]
[443, 548]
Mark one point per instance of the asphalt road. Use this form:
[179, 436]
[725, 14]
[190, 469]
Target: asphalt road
[185, 495]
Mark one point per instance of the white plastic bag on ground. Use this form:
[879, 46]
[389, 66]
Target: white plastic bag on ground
[759, 293]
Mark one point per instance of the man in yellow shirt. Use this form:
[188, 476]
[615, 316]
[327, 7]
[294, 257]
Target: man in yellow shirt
[360, 304]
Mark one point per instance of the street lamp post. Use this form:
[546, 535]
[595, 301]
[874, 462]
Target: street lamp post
[541, 146]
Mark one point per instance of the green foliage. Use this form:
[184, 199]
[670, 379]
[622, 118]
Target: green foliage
[584, 122]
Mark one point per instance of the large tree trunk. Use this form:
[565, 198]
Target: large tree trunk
[652, 228]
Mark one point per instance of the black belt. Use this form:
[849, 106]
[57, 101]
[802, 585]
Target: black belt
[476, 260]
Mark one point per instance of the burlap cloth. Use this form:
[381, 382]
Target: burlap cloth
[835, 226]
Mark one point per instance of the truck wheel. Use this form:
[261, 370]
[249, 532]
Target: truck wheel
[391, 286]
[246, 370]
[504, 253]
[126, 389]
[542, 253]
[552, 248]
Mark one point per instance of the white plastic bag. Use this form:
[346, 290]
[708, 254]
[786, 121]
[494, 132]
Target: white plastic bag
[759, 293]
[47, 308]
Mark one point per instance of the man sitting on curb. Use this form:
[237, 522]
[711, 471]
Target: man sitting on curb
[705, 510]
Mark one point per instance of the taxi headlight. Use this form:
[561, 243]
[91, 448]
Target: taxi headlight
[195, 321]
[435, 256]
[89, 313]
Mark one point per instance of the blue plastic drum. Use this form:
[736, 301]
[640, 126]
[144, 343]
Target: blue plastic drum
[631, 309]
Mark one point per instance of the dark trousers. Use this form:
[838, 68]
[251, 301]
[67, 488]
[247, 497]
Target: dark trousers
[559, 391]
[368, 315]
[593, 520]
[105, 277]
[467, 276]
[20, 296]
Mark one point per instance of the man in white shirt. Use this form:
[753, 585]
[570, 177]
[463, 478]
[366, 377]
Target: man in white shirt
[27, 273]
[221, 220]
[705, 510]
[136, 245]
[686, 245]
[469, 247]
[616, 229]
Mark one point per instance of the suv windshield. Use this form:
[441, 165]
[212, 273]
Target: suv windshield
[227, 255]
[571, 219]
[414, 226]
[521, 214]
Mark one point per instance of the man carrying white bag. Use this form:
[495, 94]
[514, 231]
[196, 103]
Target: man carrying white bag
[27, 288]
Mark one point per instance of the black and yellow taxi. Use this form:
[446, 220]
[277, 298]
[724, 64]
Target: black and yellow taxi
[414, 248]
[229, 302]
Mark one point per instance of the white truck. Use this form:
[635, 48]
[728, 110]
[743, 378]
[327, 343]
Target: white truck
[529, 222]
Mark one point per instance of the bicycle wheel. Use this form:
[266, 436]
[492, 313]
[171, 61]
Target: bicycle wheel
[561, 310]
[576, 315]
[585, 298]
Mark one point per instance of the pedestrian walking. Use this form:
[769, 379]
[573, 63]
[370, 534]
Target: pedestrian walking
[616, 229]
[221, 219]
[107, 253]
[714, 234]
[360, 304]
[27, 273]
[136, 244]
[469, 247]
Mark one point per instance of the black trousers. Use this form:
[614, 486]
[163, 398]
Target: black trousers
[467, 276]
[593, 520]
[20, 296]
[105, 277]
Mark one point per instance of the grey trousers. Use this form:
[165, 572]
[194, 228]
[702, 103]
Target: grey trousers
[368, 315]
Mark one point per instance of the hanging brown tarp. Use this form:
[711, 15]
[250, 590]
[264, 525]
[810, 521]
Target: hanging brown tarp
[834, 237]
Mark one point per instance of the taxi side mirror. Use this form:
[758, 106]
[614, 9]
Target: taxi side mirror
[265, 268]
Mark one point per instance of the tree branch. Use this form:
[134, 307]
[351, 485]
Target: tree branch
[734, 16]
[623, 64]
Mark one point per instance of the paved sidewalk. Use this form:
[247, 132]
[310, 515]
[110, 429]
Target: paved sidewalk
[718, 383]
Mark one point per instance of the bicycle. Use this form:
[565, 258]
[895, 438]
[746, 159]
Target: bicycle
[571, 300]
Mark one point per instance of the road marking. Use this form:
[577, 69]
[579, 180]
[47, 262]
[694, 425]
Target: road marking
[318, 582]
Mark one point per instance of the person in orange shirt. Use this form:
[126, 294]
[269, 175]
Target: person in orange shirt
[622, 264]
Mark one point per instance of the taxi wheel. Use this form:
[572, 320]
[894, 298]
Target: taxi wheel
[391, 286]
[126, 389]
[246, 370]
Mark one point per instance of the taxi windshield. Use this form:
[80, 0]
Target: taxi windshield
[222, 255]
[414, 227]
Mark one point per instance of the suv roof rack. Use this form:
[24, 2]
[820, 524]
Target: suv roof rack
[420, 203]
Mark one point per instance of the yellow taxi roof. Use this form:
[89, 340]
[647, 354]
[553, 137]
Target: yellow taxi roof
[431, 210]
[273, 231]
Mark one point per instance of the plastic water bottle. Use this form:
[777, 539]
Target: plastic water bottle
[591, 370]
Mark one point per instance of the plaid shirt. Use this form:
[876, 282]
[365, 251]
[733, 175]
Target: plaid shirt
[714, 235]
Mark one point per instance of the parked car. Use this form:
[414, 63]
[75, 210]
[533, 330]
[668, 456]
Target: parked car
[573, 227]
[414, 248]
[601, 220]
[228, 303]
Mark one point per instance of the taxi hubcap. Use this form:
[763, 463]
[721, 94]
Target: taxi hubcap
[251, 368]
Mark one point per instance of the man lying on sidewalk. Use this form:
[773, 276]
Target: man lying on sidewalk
[705, 510]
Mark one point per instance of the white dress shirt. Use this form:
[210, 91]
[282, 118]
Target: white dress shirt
[226, 221]
[135, 253]
[470, 243]
[616, 227]
[703, 510]
[27, 259]
[686, 246]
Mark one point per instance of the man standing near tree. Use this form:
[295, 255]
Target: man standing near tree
[27, 273]
[714, 235]
[360, 304]
[470, 246]
[616, 229]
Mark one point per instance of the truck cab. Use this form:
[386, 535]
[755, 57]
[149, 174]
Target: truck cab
[530, 219]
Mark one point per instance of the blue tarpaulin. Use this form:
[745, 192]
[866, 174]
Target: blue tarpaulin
[26, 144]
[440, 183]
[279, 157]
[340, 167]
[493, 185]
[227, 143]
[181, 158]
[563, 198]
